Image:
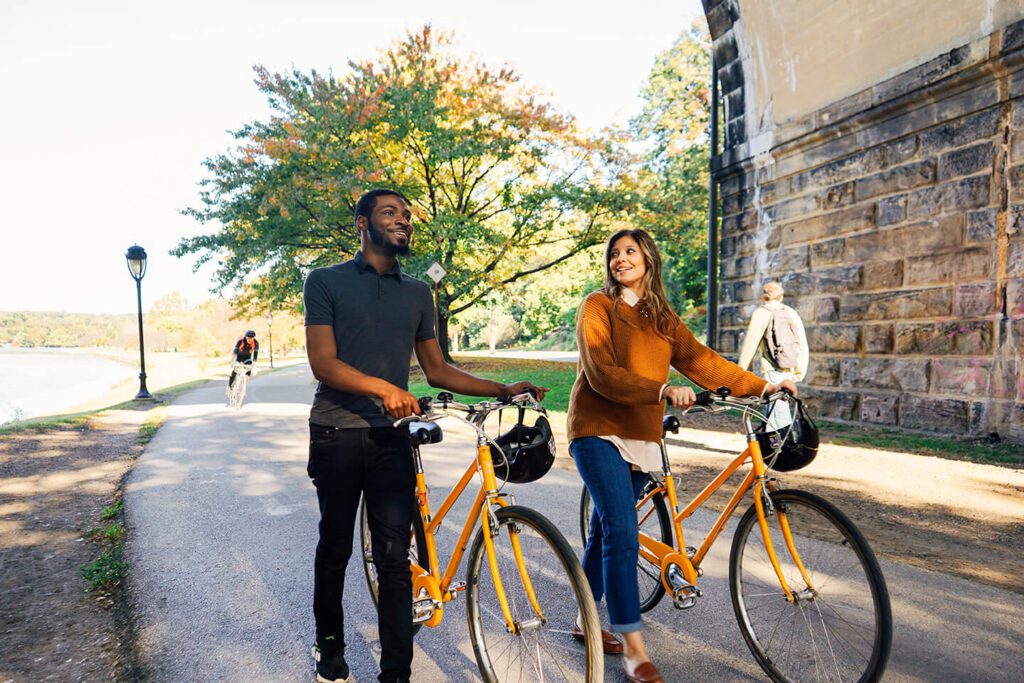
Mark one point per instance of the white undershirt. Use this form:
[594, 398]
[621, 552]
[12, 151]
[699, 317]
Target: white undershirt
[642, 455]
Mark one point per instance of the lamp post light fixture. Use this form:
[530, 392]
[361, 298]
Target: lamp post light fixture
[136, 257]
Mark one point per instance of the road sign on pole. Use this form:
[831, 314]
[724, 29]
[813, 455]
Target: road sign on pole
[436, 272]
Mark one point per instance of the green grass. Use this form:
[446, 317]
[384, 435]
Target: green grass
[558, 377]
[109, 567]
[938, 446]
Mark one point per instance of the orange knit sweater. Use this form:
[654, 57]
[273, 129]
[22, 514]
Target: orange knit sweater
[623, 365]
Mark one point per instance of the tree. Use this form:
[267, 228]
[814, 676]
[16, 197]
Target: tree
[502, 186]
[675, 126]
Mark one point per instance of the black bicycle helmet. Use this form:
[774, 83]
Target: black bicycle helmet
[793, 447]
[250, 333]
[524, 453]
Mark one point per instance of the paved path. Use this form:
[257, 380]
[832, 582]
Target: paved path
[223, 527]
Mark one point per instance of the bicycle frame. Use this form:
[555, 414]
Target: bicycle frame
[664, 556]
[428, 581]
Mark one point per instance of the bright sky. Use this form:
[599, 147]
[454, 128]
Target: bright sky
[112, 105]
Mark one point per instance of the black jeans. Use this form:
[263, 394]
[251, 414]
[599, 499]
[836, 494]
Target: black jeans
[376, 462]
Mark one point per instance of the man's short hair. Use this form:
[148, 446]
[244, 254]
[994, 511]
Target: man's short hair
[772, 292]
[366, 203]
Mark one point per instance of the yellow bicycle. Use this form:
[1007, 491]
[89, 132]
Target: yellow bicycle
[806, 588]
[522, 607]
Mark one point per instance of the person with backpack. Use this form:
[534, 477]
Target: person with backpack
[776, 334]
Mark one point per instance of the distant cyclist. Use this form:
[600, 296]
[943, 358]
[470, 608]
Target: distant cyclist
[245, 352]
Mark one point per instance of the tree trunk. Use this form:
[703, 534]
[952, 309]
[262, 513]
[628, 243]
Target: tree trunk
[442, 336]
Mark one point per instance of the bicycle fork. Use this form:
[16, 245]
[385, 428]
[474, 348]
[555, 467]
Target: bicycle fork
[491, 529]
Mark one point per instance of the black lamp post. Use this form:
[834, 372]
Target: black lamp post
[136, 257]
[270, 335]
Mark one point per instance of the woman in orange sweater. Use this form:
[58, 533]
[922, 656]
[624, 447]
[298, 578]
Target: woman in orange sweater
[628, 336]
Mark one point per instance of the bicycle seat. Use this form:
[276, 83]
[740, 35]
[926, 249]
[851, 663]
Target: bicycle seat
[424, 432]
[670, 423]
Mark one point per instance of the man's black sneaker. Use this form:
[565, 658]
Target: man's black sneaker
[330, 661]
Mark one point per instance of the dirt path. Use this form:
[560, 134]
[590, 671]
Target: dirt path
[54, 485]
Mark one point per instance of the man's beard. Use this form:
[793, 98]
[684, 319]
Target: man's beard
[379, 239]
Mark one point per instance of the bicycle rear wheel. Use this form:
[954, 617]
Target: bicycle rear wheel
[654, 520]
[541, 648]
[417, 551]
[839, 630]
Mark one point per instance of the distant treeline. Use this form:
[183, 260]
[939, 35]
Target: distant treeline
[32, 329]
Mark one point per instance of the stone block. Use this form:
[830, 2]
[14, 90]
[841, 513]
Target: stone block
[892, 210]
[904, 123]
[1015, 258]
[959, 132]
[1007, 379]
[1015, 298]
[739, 222]
[1013, 37]
[721, 18]
[925, 237]
[833, 223]
[1016, 177]
[883, 275]
[956, 196]
[774, 190]
[839, 170]
[1015, 220]
[964, 338]
[966, 161]
[822, 371]
[832, 338]
[728, 342]
[896, 179]
[958, 266]
[885, 373]
[836, 196]
[942, 415]
[841, 405]
[961, 377]
[826, 310]
[839, 279]
[981, 225]
[827, 253]
[976, 300]
[903, 304]
[735, 129]
[799, 284]
[744, 266]
[725, 49]
[877, 338]
[805, 307]
[727, 247]
[879, 408]
[787, 260]
[901, 150]
[730, 316]
[736, 202]
[791, 209]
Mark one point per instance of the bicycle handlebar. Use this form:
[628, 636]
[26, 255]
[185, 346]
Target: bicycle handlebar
[479, 410]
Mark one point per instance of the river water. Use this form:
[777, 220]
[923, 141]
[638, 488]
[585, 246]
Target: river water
[37, 382]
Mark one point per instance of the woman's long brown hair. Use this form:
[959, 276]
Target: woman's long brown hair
[663, 318]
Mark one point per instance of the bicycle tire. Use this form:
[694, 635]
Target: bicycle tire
[842, 630]
[417, 551]
[544, 651]
[236, 393]
[657, 525]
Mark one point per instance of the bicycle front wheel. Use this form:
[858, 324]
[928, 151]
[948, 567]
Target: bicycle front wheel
[652, 519]
[540, 647]
[839, 628]
[236, 395]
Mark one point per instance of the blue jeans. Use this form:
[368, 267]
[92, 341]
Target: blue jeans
[610, 558]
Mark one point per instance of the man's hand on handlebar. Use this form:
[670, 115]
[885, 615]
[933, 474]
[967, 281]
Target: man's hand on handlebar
[400, 403]
[521, 387]
[680, 397]
[787, 384]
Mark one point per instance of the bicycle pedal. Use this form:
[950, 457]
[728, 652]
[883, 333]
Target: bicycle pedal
[685, 597]
[423, 610]
[456, 588]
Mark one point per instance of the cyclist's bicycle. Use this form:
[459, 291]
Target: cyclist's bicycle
[806, 588]
[524, 584]
[236, 389]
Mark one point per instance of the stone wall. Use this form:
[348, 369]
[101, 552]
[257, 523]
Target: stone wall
[895, 220]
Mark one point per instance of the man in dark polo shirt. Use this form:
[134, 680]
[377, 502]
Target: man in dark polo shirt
[364, 320]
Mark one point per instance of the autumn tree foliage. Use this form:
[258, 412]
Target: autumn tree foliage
[673, 174]
[502, 185]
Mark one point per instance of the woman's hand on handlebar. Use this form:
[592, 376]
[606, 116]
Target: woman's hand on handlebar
[680, 397]
[787, 384]
[521, 387]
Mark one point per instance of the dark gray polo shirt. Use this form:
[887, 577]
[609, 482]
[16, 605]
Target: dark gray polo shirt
[377, 320]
